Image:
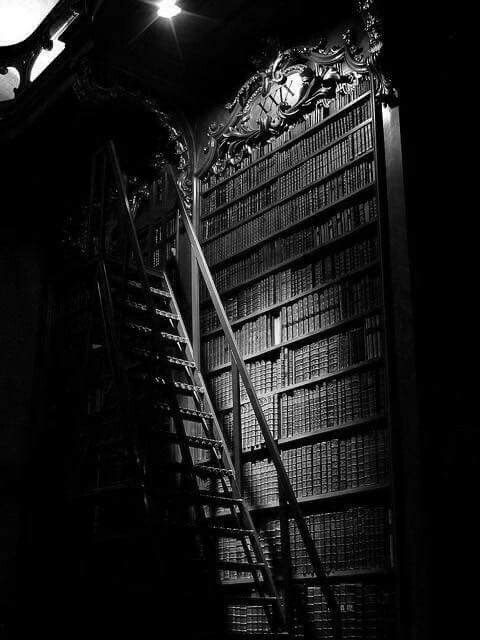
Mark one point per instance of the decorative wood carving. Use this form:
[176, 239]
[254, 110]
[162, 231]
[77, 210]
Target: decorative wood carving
[176, 151]
[22, 56]
[272, 100]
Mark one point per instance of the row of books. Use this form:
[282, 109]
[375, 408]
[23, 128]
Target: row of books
[338, 464]
[242, 182]
[315, 194]
[258, 229]
[310, 170]
[299, 363]
[252, 337]
[366, 610]
[312, 119]
[265, 376]
[332, 354]
[251, 432]
[329, 306]
[247, 618]
[332, 403]
[293, 281]
[296, 243]
[352, 538]
[232, 550]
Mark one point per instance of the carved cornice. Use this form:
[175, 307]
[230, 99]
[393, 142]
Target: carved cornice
[373, 25]
[311, 76]
[175, 152]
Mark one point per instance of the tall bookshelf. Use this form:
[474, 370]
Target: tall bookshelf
[290, 216]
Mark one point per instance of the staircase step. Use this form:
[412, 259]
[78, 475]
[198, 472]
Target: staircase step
[181, 363]
[134, 284]
[200, 497]
[138, 328]
[243, 599]
[200, 470]
[193, 415]
[142, 308]
[173, 337]
[199, 442]
[181, 386]
[256, 635]
[148, 354]
[227, 532]
[240, 566]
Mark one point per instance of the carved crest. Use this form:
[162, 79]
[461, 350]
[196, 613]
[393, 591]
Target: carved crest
[272, 100]
[298, 80]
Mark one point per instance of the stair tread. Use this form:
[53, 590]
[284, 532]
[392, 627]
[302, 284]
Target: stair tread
[140, 306]
[195, 414]
[240, 566]
[200, 441]
[197, 469]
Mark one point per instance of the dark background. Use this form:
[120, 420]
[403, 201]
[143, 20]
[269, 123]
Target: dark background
[39, 175]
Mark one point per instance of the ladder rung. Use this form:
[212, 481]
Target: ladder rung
[173, 337]
[254, 635]
[200, 470]
[182, 386]
[240, 566]
[227, 532]
[200, 497]
[231, 595]
[140, 306]
[147, 354]
[196, 441]
[181, 363]
[190, 414]
[139, 328]
[134, 284]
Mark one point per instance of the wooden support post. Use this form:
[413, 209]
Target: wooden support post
[237, 425]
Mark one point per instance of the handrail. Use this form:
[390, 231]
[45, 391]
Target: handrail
[272, 448]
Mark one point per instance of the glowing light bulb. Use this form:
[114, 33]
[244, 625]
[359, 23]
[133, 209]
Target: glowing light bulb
[168, 9]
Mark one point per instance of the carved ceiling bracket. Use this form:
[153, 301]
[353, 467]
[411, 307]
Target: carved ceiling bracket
[175, 152]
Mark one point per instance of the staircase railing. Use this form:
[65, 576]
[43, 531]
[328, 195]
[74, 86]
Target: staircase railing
[271, 445]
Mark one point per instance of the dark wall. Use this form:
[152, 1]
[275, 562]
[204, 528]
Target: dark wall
[21, 267]
[428, 52]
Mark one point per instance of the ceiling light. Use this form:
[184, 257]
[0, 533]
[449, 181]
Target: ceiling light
[168, 9]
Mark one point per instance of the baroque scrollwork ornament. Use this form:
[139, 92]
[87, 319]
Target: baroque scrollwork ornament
[273, 100]
[299, 79]
[373, 25]
[176, 151]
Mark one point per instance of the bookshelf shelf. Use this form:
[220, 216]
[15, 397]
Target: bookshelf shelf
[315, 380]
[295, 259]
[291, 141]
[317, 500]
[346, 574]
[277, 305]
[294, 242]
[285, 171]
[298, 223]
[315, 436]
[296, 341]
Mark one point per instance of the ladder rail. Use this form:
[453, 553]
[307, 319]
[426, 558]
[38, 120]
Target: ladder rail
[145, 283]
[228, 463]
[270, 443]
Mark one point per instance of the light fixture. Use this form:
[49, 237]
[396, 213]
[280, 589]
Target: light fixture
[20, 18]
[168, 9]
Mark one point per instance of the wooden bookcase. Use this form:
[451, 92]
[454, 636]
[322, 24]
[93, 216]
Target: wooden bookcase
[291, 215]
